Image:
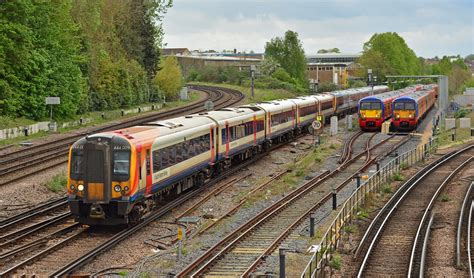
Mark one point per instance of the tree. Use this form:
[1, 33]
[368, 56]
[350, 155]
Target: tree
[331, 50]
[289, 53]
[388, 53]
[169, 79]
[326, 87]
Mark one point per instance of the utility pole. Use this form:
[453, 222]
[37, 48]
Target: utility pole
[252, 75]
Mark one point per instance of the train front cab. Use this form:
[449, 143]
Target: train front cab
[405, 113]
[371, 113]
[99, 180]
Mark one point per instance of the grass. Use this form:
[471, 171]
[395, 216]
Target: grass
[398, 176]
[8, 122]
[336, 261]
[289, 181]
[387, 189]
[462, 135]
[444, 198]
[260, 95]
[404, 166]
[57, 183]
[111, 115]
[362, 214]
[349, 229]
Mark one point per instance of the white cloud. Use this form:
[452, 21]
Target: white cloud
[426, 29]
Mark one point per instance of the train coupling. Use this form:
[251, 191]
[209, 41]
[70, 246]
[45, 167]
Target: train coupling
[97, 212]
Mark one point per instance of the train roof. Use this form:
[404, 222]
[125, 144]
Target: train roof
[229, 113]
[152, 130]
[388, 95]
[271, 106]
[415, 95]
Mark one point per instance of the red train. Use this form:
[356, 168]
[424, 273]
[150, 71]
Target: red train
[409, 109]
[376, 109]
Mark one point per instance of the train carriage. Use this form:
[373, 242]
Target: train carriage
[376, 109]
[409, 109]
[116, 177]
[126, 167]
[307, 111]
[281, 119]
[241, 132]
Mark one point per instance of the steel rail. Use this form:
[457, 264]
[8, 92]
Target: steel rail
[425, 245]
[262, 217]
[223, 97]
[384, 209]
[43, 208]
[425, 218]
[69, 268]
[404, 191]
[469, 231]
[467, 197]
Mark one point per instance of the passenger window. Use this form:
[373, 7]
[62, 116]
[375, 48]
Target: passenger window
[156, 161]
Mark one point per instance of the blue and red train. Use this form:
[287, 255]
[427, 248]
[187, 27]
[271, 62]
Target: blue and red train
[404, 107]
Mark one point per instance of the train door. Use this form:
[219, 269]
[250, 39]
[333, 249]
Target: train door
[148, 171]
[141, 172]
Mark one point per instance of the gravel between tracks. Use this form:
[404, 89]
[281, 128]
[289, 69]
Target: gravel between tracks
[134, 249]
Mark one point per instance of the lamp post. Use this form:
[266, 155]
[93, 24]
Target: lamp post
[369, 80]
[252, 75]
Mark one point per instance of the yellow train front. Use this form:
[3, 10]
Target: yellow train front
[409, 109]
[100, 179]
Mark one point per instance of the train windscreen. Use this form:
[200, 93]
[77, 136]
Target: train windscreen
[404, 105]
[370, 105]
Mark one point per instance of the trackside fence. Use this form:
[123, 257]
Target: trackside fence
[348, 212]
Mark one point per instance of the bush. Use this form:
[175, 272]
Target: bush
[281, 75]
[461, 113]
[326, 87]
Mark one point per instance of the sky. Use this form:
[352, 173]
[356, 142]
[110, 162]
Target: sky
[430, 27]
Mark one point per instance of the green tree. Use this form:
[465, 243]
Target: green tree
[169, 79]
[326, 87]
[288, 52]
[281, 75]
[40, 57]
[388, 53]
[331, 50]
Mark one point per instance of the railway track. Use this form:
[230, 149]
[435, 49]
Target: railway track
[242, 251]
[25, 162]
[464, 240]
[395, 239]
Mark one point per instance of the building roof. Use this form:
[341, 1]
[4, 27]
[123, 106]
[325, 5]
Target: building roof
[174, 51]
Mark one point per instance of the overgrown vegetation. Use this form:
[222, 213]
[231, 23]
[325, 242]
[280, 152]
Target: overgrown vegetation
[388, 54]
[386, 189]
[444, 198]
[404, 166]
[398, 176]
[95, 55]
[57, 183]
[336, 261]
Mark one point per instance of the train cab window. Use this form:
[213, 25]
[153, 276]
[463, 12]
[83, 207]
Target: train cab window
[77, 165]
[121, 169]
[370, 106]
[398, 106]
[409, 106]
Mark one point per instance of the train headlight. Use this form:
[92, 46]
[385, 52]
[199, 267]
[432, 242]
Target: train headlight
[117, 188]
[362, 116]
[397, 116]
[125, 188]
[410, 116]
[80, 187]
[72, 187]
